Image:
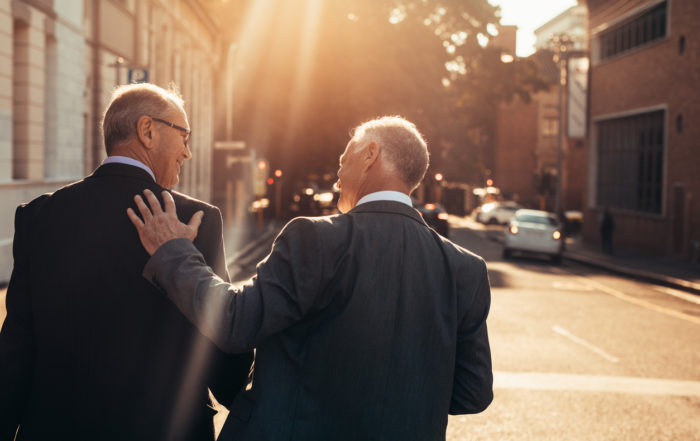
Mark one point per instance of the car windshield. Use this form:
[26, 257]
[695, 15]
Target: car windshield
[535, 219]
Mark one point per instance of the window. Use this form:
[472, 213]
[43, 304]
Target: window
[640, 30]
[630, 162]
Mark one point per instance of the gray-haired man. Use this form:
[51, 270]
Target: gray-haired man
[368, 324]
[89, 350]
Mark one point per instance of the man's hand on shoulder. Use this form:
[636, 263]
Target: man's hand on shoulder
[156, 227]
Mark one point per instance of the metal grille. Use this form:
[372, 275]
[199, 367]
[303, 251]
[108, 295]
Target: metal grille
[630, 162]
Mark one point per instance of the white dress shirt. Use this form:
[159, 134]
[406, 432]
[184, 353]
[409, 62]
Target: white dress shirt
[386, 195]
[129, 161]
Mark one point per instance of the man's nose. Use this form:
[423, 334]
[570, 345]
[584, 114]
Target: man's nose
[188, 152]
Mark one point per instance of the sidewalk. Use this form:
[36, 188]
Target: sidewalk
[666, 271]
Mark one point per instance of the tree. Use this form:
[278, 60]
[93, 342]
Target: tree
[310, 73]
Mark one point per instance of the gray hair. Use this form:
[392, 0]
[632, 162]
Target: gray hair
[130, 102]
[402, 146]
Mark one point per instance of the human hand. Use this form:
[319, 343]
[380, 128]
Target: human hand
[158, 226]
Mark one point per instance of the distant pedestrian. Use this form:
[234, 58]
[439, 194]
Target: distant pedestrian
[89, 350]
[607, 227]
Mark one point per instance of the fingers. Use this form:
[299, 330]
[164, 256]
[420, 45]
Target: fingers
[169, 203]
[153, 202]
[133, 217]
[143, 209]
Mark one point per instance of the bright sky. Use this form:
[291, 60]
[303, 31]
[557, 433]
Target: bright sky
[529, 15]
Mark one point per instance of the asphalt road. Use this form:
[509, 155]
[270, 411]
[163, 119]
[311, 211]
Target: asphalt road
[583, 355]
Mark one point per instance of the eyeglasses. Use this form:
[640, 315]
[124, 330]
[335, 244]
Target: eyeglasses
[176, 127]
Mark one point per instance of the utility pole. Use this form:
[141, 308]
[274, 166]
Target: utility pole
[562, 45]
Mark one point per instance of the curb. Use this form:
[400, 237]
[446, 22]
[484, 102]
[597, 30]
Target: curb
[658, 279]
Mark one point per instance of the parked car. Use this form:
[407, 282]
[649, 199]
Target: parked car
[434, 215]
[534, 231]
[497, 212]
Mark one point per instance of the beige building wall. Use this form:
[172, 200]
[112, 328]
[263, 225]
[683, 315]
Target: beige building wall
[60, 61]
[6, 50]
[41, 88]
[179, 44]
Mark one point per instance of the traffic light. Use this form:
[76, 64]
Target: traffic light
[278, 173]
[270, 181]
[489, 182]
[439, 177]
[260, 177]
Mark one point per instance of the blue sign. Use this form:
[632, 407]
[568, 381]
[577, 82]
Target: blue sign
[138, 75]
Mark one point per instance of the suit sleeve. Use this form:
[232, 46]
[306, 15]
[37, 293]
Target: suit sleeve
[16, 336]
[472, 390]
[235, 318]
[229, 372]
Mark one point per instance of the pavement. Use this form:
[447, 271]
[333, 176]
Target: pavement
[672, 272]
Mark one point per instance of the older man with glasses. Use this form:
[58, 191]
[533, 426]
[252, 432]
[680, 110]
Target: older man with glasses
[90, 350]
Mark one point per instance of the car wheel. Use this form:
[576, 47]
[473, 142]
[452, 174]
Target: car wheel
[493, 221]
[506, 253]
[556, 259]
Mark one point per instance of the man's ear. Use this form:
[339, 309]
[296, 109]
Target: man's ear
[370, 154]
[144, 131]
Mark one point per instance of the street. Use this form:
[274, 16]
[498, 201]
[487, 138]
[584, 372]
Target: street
[580, 354]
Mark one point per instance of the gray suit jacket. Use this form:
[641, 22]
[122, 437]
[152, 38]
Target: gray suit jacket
[368, 325]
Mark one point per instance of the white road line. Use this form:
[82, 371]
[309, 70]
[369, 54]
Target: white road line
[692, 298]
[563, 332]
[594, 383]
[571, 286]
[639, 302]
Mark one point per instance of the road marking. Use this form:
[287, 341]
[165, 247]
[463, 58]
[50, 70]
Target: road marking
[572, 286]
[692, 298]
[563, 332]
[594, 383]
[643, 303]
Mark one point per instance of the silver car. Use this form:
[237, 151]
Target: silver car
[534, 231]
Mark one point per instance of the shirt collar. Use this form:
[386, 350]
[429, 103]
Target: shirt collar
[129, 161]
[386, 195]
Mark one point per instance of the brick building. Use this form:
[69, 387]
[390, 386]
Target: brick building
[59, 62]
[643, 157]
[527, 134]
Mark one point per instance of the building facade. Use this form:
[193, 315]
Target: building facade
[643, 145]
[528, 135]
[60, 61]
[572, 22]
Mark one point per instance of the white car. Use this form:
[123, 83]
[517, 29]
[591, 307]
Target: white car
[497, 212]
[534, 231]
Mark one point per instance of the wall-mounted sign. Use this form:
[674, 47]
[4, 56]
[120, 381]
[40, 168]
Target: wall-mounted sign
[138, 75]
[577, 98]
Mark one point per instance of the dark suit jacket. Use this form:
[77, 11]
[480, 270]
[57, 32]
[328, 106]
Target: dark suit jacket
[89, 349]
[368, 326]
